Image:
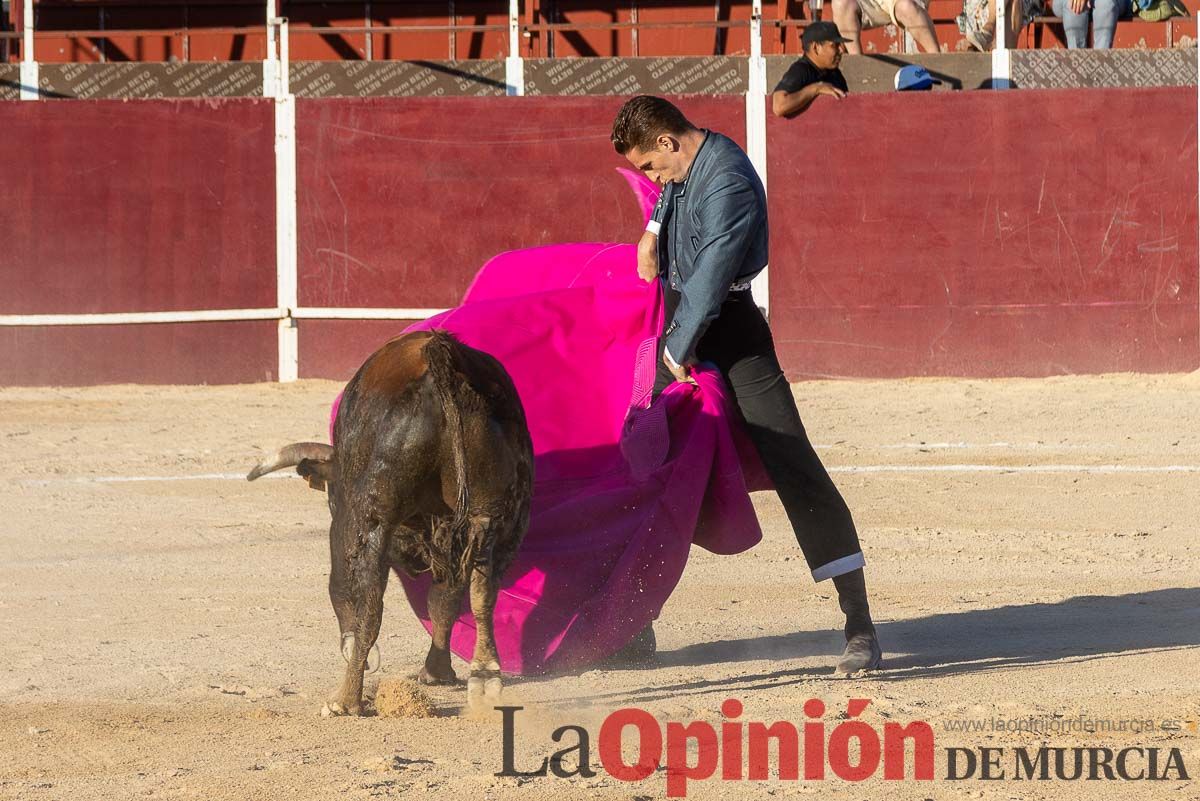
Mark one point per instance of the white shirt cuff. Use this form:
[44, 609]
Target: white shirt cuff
[839, 566]
[670, 359]
[654, 227]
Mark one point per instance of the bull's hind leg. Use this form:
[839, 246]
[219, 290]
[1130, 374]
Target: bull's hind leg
[484, 683]
[367, 575]
[445, 599]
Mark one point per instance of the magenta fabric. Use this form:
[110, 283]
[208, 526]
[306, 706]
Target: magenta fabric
[622, 487]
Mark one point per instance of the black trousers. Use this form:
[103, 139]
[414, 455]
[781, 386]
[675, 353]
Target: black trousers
[739, 343]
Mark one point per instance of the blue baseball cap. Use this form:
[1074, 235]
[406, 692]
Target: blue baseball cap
[914, 78]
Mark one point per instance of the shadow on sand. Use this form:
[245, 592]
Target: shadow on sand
[1074, 630]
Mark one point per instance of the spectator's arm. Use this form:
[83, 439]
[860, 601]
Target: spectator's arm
[791, 104]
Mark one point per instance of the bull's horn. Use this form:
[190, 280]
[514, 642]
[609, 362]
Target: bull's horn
[290, 455]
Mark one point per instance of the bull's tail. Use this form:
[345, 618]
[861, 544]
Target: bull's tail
[451, 553]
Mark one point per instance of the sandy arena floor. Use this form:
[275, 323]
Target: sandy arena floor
[1029, 548]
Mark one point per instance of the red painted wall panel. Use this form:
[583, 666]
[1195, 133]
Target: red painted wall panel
[177, 353]
[336, 348]
[1181, 29]
[142, 206]
[697, 41]
[144, 48]
[981, 233]
[1136, 33]
[65, 49]
[305, 46]
[224, 46]
[402, 200]
[588, 42]
[480, 44]
[676, 39]
[416, 44]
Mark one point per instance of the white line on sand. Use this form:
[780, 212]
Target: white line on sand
[1022, 468]
[42, 482]
[866, 468]
[942, 446]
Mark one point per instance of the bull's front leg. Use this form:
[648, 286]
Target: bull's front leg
[366, 574]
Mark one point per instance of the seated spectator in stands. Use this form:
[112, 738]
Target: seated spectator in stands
[1102, 14]
[814, 74]
[978, 21]
[852, 16]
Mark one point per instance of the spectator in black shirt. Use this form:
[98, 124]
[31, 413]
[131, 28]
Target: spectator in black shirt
[815, 73]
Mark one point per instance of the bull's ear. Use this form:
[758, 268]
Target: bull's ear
[316, 472]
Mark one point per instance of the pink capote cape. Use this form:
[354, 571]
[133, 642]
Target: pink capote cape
[622, 488]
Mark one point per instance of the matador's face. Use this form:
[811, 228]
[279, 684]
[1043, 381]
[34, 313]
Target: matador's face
[663, 163]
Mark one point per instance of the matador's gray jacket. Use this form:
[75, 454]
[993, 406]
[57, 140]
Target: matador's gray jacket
[713, 235]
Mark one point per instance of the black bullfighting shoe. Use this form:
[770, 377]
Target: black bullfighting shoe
[638, 651]
[862, 653]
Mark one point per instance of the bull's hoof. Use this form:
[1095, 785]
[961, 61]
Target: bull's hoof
[448, 679]
[483, 694]
[484, 688]
[337, 709]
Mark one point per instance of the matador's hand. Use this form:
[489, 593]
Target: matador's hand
[682, 372]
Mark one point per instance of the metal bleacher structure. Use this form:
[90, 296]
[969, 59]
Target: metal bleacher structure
[91, 31]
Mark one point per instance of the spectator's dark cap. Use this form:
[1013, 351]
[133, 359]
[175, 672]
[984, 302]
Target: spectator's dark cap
[821, 32]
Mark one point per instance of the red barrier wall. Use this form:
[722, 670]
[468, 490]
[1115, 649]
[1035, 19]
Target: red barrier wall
[336, 348]
[986, 234]
[176, 353]
[402, 201]
[142, 206]
[966, 233]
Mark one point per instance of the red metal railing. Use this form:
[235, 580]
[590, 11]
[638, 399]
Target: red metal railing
[544, 29]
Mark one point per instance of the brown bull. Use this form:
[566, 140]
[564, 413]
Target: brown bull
[431, 470]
